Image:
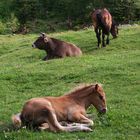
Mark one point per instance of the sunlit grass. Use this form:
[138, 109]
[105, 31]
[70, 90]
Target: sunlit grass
[24, 75]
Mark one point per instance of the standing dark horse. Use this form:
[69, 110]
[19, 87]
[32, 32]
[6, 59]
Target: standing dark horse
[102, 21]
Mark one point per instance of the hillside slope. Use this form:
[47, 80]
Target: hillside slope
[24, 75]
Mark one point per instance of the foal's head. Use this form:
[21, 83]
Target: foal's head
[98, 98]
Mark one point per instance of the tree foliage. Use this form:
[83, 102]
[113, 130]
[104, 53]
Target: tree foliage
[77, 11]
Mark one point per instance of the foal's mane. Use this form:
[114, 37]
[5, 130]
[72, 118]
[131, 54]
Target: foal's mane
[81, 87]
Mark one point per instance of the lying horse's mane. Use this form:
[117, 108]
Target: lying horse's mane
[81, 87]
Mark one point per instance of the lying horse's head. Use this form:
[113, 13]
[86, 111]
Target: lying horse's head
[114, 29]
[98, 98]
[41, 42]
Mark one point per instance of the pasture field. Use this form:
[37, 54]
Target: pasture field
[23, 75]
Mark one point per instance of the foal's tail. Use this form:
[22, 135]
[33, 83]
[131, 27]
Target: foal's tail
[16, 120]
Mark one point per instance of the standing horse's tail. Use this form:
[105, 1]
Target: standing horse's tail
[102, 23]
[17, 120]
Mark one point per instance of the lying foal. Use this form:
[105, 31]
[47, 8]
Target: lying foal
[48, 112]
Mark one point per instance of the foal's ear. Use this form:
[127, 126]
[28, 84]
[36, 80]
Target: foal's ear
[97, 87]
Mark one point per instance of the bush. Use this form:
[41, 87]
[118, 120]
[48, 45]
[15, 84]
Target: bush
[46, 25]
[3, 28]
[13, 24]
[9, 26]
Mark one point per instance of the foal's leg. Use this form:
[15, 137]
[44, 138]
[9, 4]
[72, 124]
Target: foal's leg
[80, 118]
[86, 121]
[67, 127]
[55, 126]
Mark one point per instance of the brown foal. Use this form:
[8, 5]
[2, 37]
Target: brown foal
[49, 112]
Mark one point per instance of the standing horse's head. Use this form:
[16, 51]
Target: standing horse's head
[114, 29]
[98, 99]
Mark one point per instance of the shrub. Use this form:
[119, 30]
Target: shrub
[9, 26]
[13, 24]
[3, 28]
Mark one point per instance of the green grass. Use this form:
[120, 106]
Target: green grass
[24, 75]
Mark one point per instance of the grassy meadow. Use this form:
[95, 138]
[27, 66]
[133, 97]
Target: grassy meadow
[23, 75]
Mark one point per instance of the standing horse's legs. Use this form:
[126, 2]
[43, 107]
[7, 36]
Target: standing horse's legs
[46, 58]
[103, 39]
[98, 34]
[107, 40]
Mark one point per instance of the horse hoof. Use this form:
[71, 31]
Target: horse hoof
[88, 130]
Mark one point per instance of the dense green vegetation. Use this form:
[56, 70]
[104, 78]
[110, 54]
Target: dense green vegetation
[15, 15]
[24, 75]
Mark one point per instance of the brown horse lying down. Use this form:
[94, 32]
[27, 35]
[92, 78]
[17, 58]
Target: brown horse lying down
[56, 48]
[48, 112]
[102, 21]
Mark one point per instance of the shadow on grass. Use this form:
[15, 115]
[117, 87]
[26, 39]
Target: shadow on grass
[4, 128]
[89, 49]
[7, 128]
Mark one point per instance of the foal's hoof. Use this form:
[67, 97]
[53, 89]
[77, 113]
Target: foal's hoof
[43, 127]
[87, 130]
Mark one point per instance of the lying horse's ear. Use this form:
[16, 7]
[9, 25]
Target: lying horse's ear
[46, 39]
[43, 34]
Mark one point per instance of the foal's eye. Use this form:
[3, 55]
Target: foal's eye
[101, 97]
